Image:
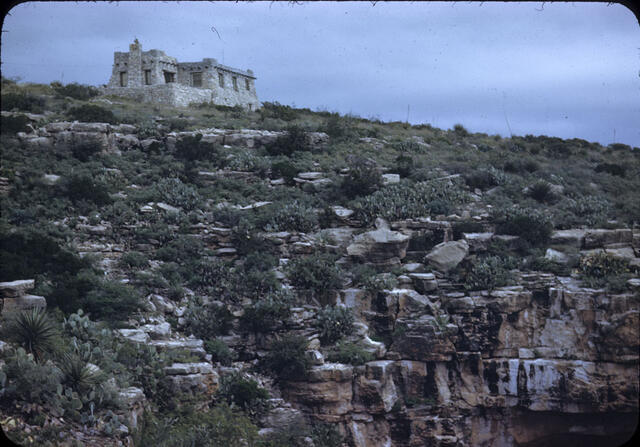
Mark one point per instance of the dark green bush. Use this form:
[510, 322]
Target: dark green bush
[134, 259]
[466, 226]
[214, 427]
[349, 353]
[85, 149]
[82, 187]
[612, 168]
[111, 301]
[207, 321]
[267, 314]
[23, 101]
[296, 139]
[76, 91]
[488, 273]
[219, 351]
[404, 165]
[484, 179]
[192, 148]
[278, 111]
[284, 169]
[287, 359]
[11, 125]
[90, 113]
[293, 216]
[334, 322]
[521, 165]
[243, 393]
[601, 269]
[460, 131]
[317, 272]
[363, 178]
[530, 224]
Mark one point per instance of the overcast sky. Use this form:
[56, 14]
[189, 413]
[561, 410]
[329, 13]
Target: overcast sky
[557, 69]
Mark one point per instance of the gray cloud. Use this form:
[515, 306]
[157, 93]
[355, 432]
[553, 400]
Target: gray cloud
[569, 70]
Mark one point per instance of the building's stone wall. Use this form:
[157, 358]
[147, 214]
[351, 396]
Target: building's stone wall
[152, 76]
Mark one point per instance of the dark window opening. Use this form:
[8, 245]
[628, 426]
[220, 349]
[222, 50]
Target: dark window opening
[123, 79]
[235, 83]
[147, 77]
[247, 84]
[221, 79]
[169, 77]
[196, 79]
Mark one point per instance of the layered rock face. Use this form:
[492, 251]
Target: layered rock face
[537, 364]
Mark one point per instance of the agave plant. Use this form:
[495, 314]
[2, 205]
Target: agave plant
[34, 331]
[77, 373]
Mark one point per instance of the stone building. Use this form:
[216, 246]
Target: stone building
[152, 76]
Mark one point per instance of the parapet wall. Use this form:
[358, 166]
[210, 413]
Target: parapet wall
[171, 94]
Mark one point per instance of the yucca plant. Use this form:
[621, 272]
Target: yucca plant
[77, 373]
[34, 331]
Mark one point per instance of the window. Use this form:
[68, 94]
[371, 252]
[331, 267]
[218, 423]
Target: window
[196, 79]
[169, 77]
[123, 79]
[147, 77]
[247, 84]
[221, 79]
[235, 83]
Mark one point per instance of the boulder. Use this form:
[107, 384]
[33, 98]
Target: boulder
[380, 247]
[424, 282]
[16, 288]
[447, 255]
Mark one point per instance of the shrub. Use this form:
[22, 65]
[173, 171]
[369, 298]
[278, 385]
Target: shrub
[317, 272]
[363, 178]
[284, 169]
[488, 273]
[249, 162]
[336, 126]
[293, 216]
[111, 301]
[23, 378]
[244, 393]
[176, 193]
[267, 314]
[530, 224]
[334, 322]
[541, 192]
[278, 111]
[85, 149]
[191, 148]
[520, 165]
[460, 131]
[484, 178]
[404, 165]
[34, 331]
[207, 321]
[467, 226]
[295, 139]
[82, 187]
[76, 91]
[77, 374]
[599, 269]
[11, 125]
[326, 435]
[287, 358]
[406, 200]
[219, 351]
[349, 353]
[220, 425]
[612, 168]
[90, 113]
[134, 259]
[367, 277]
[23, 101]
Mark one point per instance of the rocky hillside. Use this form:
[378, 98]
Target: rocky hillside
[210, 276]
